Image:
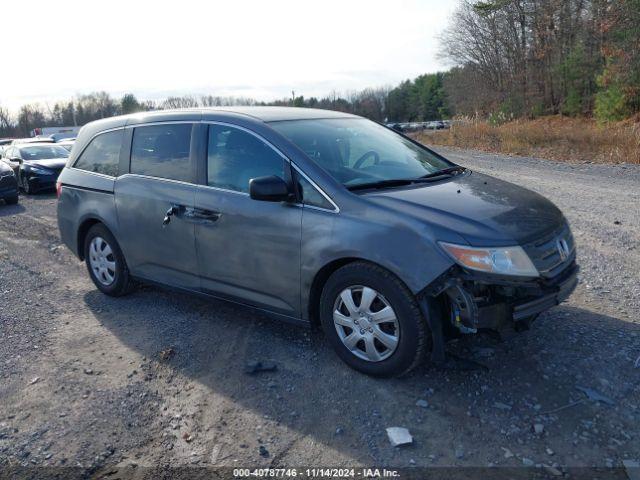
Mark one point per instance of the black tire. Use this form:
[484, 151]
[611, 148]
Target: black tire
[26, 186]
[11, 200]
[122, 283]
[413, 332]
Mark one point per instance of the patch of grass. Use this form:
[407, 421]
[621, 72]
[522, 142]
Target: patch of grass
[555, 138]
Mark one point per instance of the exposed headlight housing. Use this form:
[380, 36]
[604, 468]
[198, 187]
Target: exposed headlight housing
[499, 260]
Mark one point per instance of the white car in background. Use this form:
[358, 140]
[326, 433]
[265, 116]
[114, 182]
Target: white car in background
[67, 143]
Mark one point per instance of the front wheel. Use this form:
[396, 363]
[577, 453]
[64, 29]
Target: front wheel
[372, 320]
[105, 262]
[11, 200]
[26, 186]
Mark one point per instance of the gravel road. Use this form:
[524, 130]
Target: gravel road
[156, 378]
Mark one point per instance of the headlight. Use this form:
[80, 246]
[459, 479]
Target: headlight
[499, 260]
[41, 171]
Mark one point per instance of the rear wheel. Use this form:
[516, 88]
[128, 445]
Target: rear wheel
[372, 320]
[106, 263]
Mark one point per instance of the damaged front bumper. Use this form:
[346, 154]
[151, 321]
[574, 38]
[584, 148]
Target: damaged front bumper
[480, 301]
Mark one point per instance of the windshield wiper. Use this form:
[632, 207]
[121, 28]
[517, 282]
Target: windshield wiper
[446, 171]
[399, 182]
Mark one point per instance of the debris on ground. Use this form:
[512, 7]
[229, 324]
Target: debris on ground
[399, 436]
[34, 380]
[263, 451]
[552, 470]
[595, 396]
[422, 403]
[637, 363]
[88, 371]
[538, 428]
[187, 437]
[502, 406]
[167, 354]
[507, 453]
[258, 366]
[484, 352]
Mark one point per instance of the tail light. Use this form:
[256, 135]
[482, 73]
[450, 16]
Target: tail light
[58, 188]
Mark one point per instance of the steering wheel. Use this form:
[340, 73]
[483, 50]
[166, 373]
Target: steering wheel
[370, 153]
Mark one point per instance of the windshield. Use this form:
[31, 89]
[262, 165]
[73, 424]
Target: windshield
[358, 151]
[42, 152]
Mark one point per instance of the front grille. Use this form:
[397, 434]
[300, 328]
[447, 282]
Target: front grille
[545, 255]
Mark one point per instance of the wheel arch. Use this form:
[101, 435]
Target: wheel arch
[321, 277]
[83, 229]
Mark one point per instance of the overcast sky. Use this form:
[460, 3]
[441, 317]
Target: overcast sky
[261, 49]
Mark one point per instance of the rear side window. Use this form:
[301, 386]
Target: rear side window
[234, 157]
[102, 155]
[162, 151]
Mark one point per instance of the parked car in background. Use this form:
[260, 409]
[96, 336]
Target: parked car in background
[4, 143]
[67, 144]
[57, 133]
[314, 216]
[19, 141]
[37, 165]
[7, 151]
[8, 184]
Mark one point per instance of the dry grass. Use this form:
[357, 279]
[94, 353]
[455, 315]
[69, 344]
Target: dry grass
[555, 138]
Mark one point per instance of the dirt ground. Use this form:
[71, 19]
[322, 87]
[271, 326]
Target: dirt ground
[156, 379]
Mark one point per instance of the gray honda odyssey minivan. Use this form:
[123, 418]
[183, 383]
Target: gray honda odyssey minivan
[314, 216]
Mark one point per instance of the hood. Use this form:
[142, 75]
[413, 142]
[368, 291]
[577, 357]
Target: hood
[51, 163]
[482, 209]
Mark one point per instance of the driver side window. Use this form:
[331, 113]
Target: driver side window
[235, 156]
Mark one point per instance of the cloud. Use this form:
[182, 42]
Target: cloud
[240, 47]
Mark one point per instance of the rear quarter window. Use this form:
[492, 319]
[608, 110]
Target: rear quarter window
[102, 155]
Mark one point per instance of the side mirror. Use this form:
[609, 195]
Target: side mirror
[16, 159]
[269, 189]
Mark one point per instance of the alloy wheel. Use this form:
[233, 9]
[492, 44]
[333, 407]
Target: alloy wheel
[366, 323]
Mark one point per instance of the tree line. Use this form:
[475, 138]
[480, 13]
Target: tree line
[526, 58]
[510, 59]
[413, 100]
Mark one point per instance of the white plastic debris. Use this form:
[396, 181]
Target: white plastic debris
[399, 436]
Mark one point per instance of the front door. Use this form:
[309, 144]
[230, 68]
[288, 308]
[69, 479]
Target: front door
[152, 203]
[248, 250]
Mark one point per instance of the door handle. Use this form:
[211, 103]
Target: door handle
[173, 210]
[203, 215]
